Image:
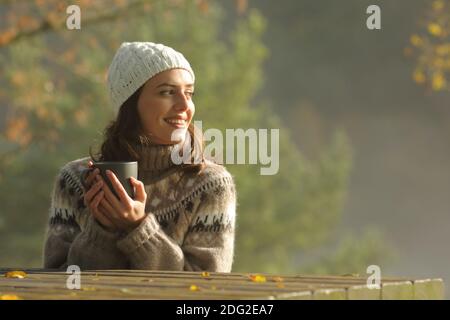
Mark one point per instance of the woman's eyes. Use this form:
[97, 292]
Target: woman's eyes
[169, 92]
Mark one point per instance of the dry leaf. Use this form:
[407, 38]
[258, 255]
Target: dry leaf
[16, 274]
[89, 289]
[257, 278]
[194, 288]
[205, 274]
[277, 279]
[9, 297]
[125, 290]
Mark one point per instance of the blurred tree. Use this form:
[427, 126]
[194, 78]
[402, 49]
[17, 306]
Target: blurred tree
[56, 102]
[352, 255]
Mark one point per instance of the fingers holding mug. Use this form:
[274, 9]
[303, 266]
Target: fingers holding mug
[93, 198]
[88, 177]
[91, 193]
[98, 211]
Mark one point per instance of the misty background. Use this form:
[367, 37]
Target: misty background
[327, 70]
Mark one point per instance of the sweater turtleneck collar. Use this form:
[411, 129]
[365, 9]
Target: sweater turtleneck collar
[155, 159]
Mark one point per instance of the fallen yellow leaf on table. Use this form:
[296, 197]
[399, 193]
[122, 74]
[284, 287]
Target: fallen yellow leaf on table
[89, 289]
[125, 290]
[9, 297]
[277, 279]
[16, 274]
[257, 278]
[205, 274]
[194, 288]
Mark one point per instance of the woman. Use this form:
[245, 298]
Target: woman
[182, 216]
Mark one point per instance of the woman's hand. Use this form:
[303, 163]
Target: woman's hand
[124, 213]
[94, 196]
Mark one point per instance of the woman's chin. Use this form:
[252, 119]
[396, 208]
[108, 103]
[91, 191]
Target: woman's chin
[178, 135]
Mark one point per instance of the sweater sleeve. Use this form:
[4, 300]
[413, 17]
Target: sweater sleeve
[73, 236]
[208, 243]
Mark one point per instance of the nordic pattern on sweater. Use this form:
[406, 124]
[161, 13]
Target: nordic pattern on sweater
[190, 225]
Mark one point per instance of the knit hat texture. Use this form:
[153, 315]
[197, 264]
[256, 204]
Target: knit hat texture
[136, 62]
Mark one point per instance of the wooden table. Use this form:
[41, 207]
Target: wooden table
[138, 284]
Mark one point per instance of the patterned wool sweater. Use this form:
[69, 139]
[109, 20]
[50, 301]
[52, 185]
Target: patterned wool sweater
[190, 222]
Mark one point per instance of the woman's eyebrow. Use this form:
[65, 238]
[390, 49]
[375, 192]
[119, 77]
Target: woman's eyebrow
[165, 84]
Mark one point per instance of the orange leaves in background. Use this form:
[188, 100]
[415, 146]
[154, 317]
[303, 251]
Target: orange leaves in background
[33, 17]
[419, 76]
[241, 6]
[203, 6]
[17, 130]
[438, 5]
[18, 78]
[7, 35]
[416, 40]
[438, 81]
[431, 48]
[81, 116]
[435, 29]
[40, 2]
[27, 22]
[121, 3]
[69, 56]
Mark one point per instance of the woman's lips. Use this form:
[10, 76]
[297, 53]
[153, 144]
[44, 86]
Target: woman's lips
[176, 123]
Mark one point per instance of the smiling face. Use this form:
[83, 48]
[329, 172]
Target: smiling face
[165, 106]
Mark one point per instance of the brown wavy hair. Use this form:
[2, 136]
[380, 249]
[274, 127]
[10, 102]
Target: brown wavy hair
[125, 132]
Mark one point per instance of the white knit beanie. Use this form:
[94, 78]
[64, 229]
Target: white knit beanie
[136, 62]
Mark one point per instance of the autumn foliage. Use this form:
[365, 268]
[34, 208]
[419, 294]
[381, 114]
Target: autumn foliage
[430, 48]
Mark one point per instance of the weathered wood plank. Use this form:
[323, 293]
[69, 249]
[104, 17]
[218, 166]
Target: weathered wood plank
[363, 292]
[329, 294]
[142, 284]
[429, 289]
[397, 291]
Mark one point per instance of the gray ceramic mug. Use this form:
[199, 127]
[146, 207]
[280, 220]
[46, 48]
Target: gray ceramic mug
[123, 170]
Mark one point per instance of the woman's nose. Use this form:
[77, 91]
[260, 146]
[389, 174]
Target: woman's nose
[182, 102]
